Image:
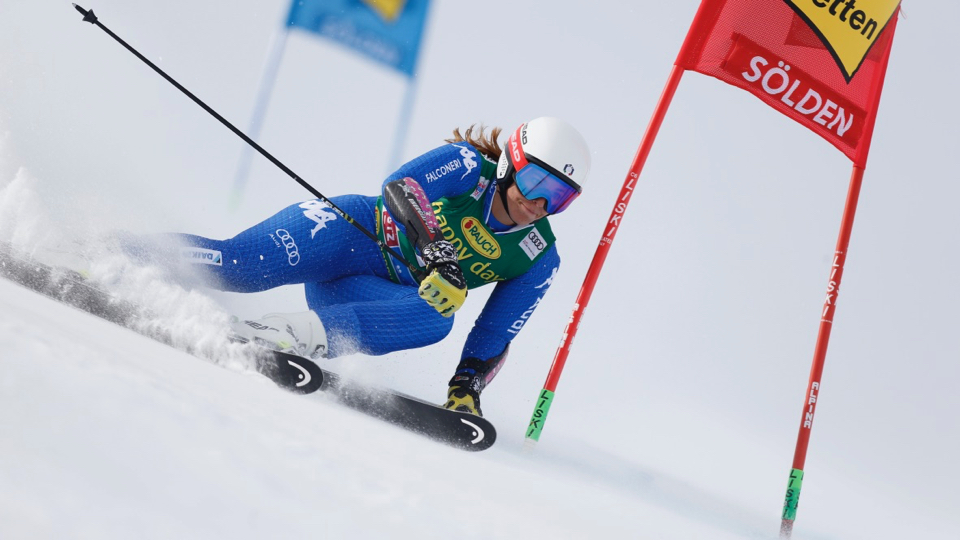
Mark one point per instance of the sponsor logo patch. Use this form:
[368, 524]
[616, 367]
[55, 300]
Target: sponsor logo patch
[293, 255]
[518, 324]
[442, 171]
[390, 235]
[481, 187]
[533, 244]
[804, 94]
[479, 238]
[202, 256]
[549, 281]
[319, 213]
[469, 159]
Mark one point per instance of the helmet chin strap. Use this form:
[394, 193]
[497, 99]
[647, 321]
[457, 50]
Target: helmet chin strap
[502, 191]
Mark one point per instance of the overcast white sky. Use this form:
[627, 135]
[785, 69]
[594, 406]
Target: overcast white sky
[711, 295]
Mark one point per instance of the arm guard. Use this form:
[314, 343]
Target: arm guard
[445, 287]
[410, 208]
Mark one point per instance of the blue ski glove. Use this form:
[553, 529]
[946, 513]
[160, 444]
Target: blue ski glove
[444, 288]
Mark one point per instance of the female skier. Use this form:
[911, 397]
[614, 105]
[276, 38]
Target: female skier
[465, 214]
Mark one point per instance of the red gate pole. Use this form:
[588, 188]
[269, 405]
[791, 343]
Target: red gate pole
[545, 399]
[829, 307]
[820, 355]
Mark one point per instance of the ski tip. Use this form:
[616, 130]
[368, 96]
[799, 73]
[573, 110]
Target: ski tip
[294, 373]
[88, 15]
[483, 434]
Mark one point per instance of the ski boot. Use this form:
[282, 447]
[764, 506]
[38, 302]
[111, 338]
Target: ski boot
[301, 334]
[470, 378]
[463, 399]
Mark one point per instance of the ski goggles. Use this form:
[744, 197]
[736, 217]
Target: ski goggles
[535, 182]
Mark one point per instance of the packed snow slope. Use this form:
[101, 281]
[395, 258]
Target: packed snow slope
[108, 434]
[678, 410]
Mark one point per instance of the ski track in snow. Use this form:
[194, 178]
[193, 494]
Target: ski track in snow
[115, 436]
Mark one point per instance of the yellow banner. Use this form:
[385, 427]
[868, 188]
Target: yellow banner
[388, 10]
[847, 27]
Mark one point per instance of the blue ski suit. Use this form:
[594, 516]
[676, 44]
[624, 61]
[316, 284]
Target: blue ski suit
[368, 303]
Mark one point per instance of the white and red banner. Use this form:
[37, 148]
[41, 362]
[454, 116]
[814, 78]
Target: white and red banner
[820, 62]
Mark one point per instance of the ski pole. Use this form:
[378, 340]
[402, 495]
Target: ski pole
[88, 16]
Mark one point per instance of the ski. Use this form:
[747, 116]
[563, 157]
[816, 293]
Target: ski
[291, 372]
[294, 373]
[303, 376]
[459, 429]
[63, 285]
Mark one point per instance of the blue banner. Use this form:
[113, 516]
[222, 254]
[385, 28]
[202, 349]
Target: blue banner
[388, 31]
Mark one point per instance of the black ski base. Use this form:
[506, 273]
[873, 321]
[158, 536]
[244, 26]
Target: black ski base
[462, 430]
[303, 376]
[291, 372]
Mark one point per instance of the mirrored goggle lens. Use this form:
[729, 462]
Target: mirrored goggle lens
[535, 182]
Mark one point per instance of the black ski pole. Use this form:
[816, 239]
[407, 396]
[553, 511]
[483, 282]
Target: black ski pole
[89, 17]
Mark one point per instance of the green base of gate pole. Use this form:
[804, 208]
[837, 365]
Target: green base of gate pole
[790, 503]
[539, 415]
[793, 494]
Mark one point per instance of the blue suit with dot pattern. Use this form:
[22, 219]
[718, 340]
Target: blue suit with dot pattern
[345, 275]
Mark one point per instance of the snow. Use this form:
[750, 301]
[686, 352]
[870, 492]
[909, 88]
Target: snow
[678, 409]
[112, 435]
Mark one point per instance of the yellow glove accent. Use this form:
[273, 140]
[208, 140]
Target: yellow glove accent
[441, 294]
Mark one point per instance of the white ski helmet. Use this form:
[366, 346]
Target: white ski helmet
[547, 158]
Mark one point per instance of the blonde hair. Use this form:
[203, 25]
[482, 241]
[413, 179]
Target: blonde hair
[486, 143]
